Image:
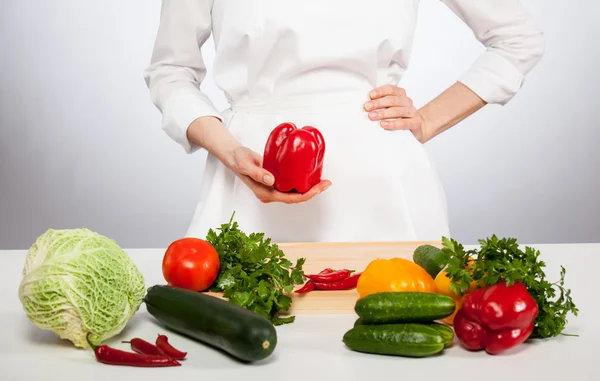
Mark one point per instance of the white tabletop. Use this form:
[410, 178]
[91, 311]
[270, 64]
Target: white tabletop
[310, 348]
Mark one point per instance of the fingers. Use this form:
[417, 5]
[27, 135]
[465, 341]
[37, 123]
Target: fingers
[388, 101]
[386, 90]
[315, 190]
[249, 169]
[393, 112]
[269, 194]
[250, 166]
[294, 198]
[402, 124]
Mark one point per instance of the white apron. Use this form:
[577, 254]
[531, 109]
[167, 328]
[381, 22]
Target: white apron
[290, 64]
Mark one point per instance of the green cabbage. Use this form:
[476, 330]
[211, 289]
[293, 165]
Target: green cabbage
[76, 282]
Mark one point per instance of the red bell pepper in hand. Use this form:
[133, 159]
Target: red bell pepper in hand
[496, 318]
[295, 157]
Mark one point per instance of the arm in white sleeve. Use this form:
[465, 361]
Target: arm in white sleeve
[177, 67]
[514, 45]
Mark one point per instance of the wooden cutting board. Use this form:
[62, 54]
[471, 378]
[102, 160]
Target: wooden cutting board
[353, 256]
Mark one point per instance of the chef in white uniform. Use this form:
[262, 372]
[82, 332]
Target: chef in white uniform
[316, 63]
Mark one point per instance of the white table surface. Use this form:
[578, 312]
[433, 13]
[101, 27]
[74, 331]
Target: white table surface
[311, 347]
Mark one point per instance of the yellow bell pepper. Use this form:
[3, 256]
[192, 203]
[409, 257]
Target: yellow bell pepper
[442, 283]
[394, 275]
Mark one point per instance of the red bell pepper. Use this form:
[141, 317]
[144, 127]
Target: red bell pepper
[295, 157]
[496, 318]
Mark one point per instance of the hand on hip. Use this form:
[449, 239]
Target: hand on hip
[391, 106]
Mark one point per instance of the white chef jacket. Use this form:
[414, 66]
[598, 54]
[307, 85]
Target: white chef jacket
[313, 63]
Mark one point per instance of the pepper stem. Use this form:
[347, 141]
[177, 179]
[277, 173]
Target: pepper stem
[92, 345]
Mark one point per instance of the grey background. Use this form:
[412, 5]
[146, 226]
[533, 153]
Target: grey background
[81, 145]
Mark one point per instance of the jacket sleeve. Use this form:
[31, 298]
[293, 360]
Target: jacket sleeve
[514, 45]
[177, 68]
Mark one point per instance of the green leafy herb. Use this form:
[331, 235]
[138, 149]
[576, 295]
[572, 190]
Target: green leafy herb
[503, 259]
[254, 272]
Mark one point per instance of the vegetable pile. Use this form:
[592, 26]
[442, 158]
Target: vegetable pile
[80, 285]
[84, 287]
[495, 297]
[503, 260]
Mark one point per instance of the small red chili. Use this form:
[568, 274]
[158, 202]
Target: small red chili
[330, 277]
[309, 286]
[112, 356]
[144, 347]
[344, 284]
[162, 342]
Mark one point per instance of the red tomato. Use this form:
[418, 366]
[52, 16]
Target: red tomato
[191, 263]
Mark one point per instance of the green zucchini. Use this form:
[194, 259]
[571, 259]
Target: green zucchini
[432, 259]
[445, 331]
[404, 307]
[408, 340]
[243, 334]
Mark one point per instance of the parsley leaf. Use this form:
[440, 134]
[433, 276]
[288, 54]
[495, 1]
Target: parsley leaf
[502, 259]
[254, 272]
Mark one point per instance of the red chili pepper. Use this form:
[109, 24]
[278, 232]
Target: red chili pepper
[344, 284]
[496, 318]
[295, 157]
[330, 277]
[309, 286]
[326, 271]
[144, 347]
[112, 356]
[162, 342]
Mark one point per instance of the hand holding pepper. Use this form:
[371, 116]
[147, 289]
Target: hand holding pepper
[247, 165]
[210, 133]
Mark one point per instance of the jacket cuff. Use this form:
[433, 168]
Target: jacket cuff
[183, 107]
[493, 78]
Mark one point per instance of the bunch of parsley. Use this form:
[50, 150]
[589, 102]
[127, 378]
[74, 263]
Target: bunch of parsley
[503, 259]
[254, 272]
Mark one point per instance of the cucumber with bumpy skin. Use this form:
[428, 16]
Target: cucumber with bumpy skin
[358, 321]
[408, 339]
[445, 331]
[404, 307]
[242, 333]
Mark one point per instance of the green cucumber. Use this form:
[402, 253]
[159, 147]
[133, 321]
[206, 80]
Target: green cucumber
[432, 259]
[404, 307]
[358, 321]
[408, 340]
[243, 334]
[445, 331]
